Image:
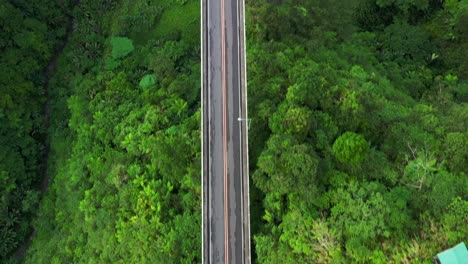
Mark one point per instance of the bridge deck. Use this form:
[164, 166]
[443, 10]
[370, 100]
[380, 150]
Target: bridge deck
[226, 234]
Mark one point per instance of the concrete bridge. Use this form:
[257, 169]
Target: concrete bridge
[225, 174]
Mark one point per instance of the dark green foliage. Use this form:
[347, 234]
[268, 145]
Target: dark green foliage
[401, 42]
[30, 33]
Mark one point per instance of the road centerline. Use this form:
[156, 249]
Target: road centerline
[223, 78]
[225, 218]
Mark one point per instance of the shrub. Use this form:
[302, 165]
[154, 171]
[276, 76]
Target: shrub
[121, 47]
[350, 148]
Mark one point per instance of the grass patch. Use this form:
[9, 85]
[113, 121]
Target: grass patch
[181, 19]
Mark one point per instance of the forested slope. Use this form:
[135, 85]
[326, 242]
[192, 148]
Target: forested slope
[126, 141]
[30, 32]
[359, 129]
[358, 135]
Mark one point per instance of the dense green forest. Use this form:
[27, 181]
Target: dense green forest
[362, 110]
[358, 140]
[30, 32]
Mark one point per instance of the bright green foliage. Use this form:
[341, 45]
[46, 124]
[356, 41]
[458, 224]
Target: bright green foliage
[124, 151]
[147, 81]
[312, 239]
[367, 214]
[358, 135]
[121, 47]
[455, 219]
[350, 148]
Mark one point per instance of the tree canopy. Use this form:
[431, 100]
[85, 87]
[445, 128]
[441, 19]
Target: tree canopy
[358, 140]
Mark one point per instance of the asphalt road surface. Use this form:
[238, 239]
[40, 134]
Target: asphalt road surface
[225, 203]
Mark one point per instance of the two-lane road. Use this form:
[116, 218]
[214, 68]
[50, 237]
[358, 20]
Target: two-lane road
[226, 234]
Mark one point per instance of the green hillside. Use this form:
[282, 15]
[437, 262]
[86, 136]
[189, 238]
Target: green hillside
[358, 139]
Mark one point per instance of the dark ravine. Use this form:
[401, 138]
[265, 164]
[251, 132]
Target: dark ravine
[48, 73]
